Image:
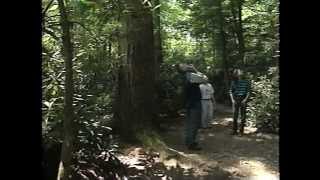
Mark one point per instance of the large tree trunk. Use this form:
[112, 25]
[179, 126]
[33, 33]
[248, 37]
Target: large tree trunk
[157, 52]
[157, 39]
[136, 96]
[68, 123]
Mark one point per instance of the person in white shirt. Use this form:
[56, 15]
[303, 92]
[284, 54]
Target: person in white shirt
[207, 104]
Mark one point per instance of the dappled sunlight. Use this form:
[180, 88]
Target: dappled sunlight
[227, 119]
[118, 101]
[242, 138]
[257, 170]
[252, 156]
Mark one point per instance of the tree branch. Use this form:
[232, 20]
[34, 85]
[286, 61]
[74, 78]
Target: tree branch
[82, 25]
[47, 8]
[85, 28]
[51, 33]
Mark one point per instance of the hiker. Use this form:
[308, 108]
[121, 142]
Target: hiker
[239, 94]
[207, 104]
[193, 104]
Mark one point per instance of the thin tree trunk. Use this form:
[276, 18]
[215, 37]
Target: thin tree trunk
[158, 51]
[68, 123]
[240, 34]
[221, 41]
[237, 15]
[109, 48]
[277, 36]
[157, 39]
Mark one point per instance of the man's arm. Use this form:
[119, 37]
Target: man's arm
[212, 95]
[248, 93]
[246, 98]
[230, 93]
[214, 101]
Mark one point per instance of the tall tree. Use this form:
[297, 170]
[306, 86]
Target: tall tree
[157, 38]
[277, 34]
[220, 39]
[69, 127]
[136, 96]
[236, 9]
[158, 48]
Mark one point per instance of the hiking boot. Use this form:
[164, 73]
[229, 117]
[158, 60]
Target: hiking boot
[234, 133]
[241, 133]
[194, 147]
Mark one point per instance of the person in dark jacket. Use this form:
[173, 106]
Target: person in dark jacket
[193, 119]
[193, 106]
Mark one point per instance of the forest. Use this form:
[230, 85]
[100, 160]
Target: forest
[113, 101]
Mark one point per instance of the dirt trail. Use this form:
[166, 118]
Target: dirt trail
[252, 156]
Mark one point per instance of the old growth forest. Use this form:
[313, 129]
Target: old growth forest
[113, 102]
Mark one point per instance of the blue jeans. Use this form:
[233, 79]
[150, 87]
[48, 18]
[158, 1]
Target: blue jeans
[193, 122]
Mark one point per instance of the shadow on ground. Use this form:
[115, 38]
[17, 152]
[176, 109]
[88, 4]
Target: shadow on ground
[225, 156]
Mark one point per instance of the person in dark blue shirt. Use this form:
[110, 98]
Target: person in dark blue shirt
[193, 120]
[193, 106]
[239, 94]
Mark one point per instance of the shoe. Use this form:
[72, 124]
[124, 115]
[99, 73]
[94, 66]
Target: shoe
[194, 147]
[234, 133]
[193, 144]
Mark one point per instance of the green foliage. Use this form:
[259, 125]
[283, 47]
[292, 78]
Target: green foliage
[170, 90]
[263, 109]
[175, 22]
[95, 64]
[188, 30]
[150, 139]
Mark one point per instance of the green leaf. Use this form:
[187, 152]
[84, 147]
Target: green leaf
[47, 104]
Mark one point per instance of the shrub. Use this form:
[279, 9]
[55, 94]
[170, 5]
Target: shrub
[263, 107]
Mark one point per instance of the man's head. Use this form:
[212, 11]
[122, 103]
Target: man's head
[238, 73]
[182, 68]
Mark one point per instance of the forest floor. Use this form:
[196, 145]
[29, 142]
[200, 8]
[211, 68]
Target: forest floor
[253, 156]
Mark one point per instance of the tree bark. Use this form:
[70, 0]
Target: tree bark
[236, 8]
[157, 51]
[68, 123]
[221, 41]
[136, 96]
[157, 39]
